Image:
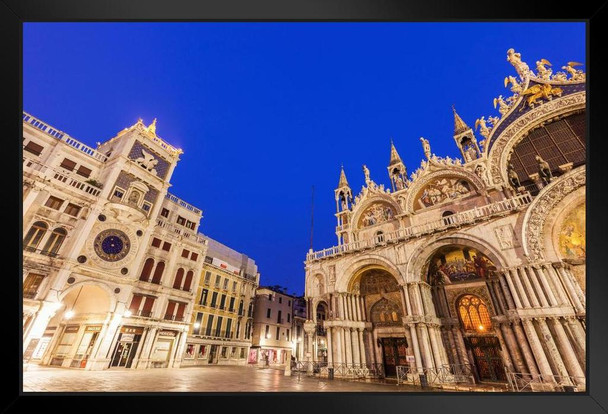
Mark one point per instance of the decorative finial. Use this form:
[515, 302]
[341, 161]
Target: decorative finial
[152, 127]
[395, 158]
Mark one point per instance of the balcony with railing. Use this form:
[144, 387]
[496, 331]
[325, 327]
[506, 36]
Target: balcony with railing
[60, 176]
[62, 136]
[182, 203]
[182, 231]
[460, 219]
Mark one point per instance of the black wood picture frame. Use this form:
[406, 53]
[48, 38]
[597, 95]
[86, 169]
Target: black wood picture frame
[13, 13]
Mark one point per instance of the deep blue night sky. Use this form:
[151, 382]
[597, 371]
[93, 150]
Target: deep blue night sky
[265, 111]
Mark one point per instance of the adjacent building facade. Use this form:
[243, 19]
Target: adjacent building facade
[221, 325]
[272, 327]
[111, 259]
[474, 266]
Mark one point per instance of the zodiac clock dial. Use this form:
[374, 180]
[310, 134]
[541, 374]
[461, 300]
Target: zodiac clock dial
[112, 245]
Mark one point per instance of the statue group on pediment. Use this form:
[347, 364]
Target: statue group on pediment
[443, 189]
[377, 213]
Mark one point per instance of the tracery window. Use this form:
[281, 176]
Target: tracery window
[473, 314]
[54, 242]
[34, 235]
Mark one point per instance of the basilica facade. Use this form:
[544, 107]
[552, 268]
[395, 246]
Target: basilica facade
[467, 270]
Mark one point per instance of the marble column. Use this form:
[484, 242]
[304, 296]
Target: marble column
[554, 278]
[511, 345]
[354, 340]
[453, 348]
[420, 303]
[506, 290]
[406, 298]
[525, 349]
[528, 287]
[361, 346]
[461, 347]
[549, 288]
[435, 346]
[426, 347]
[537, 349]
[415, 345]
[330, 349]
[578, 335]
[338, 332]
[554, 352]
[577, 288]
[349, 346]
[566, 350]
[357, 308]
[578, 305]
[506, 357]
[540, 294]
[341, 314]
[516, 289]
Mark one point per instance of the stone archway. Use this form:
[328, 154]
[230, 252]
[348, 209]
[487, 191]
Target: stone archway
[79, 325]
[457, 275]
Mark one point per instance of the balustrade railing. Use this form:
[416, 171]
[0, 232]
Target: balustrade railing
[198, 238]
[62, 136]
[60, 176]
[182, 203]
[526, 382]
[455, 220]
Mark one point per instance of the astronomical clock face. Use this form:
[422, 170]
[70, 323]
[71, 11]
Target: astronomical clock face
[112, 245]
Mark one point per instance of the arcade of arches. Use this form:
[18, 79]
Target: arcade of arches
[460, 312]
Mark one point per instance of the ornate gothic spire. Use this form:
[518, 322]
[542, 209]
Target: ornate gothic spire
[395, 158]
[343, 182]
[459, 125]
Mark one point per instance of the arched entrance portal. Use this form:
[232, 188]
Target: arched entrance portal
[79, 325]
[383, 307]
[458, 275]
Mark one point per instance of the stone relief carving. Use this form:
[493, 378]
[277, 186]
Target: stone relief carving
[542, 206]
[147, 161]
[506, 236]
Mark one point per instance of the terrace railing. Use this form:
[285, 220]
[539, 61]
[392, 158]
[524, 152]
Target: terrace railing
[462, 218]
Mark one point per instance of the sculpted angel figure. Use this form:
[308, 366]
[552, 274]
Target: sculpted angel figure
[515, 86]
[503, 108]
[514, 58]
[480, 170]
[493, 120]
[426, 147]
[481, 125]
[543, 72]
[575, 74]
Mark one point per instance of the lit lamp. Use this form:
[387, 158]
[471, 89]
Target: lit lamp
[70, 313]
[196, 325]
[481, 327]
[128, 313]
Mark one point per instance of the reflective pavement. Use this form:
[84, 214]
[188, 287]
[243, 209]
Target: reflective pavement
[193, 379]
